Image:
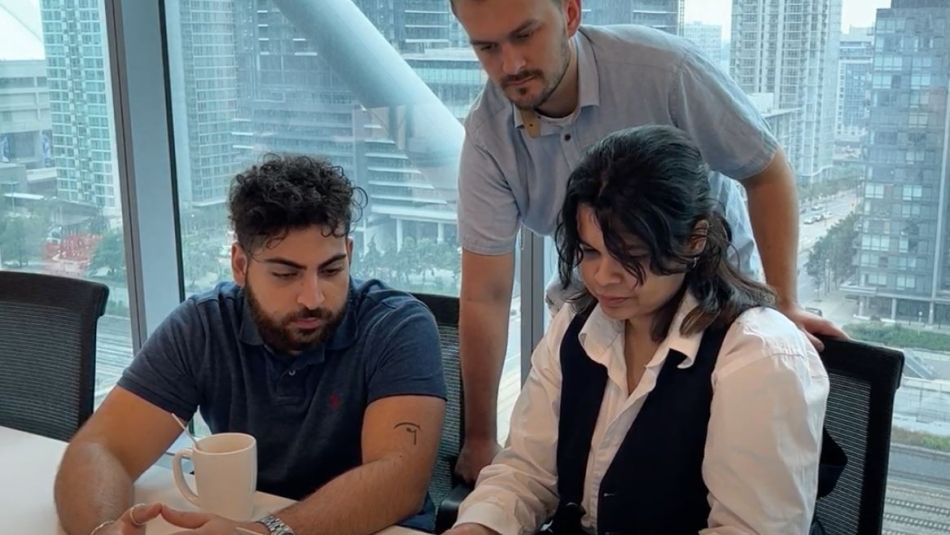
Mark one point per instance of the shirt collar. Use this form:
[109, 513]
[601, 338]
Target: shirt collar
[343, 336]
[600, 332]
[587, 77]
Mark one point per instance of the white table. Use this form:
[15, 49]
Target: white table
[28, 465]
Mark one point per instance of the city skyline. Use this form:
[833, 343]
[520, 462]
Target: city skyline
[857, 13]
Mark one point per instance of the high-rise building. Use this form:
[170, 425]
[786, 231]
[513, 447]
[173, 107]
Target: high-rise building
[24, 97]
[291, 99]
[708, 38]
[903, 265]
[666, 15]
[81, 103]
[854, 91]
[783, 122]
[420, 24]
[203, 63]
[790, 48]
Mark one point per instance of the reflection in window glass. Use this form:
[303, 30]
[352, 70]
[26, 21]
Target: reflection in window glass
[60, 211]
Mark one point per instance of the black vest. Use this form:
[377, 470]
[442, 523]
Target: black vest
[654, 484]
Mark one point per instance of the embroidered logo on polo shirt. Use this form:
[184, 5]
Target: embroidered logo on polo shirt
[335, 401]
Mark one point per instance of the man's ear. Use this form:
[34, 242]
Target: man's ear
[572, 16]
[239, 262]
[349, 250]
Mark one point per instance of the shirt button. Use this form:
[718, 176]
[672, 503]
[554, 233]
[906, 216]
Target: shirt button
[292, 373]
[567, 137]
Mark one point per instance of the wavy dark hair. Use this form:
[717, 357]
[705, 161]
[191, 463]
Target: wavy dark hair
[290, 192]
[651, 182]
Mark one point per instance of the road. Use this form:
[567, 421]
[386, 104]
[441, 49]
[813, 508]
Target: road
[838, 207]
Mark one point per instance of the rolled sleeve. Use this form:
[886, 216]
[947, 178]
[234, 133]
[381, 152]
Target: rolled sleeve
[731, 134]
[488, 215]
[518, 491]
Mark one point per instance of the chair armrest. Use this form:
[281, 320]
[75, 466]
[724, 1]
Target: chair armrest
[448, 510]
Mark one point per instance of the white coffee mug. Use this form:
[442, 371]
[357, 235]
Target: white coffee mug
[225, 474]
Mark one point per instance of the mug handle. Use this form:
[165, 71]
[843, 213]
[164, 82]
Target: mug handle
[180, 482]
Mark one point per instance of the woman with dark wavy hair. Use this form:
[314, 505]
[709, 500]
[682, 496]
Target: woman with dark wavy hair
[671, 397]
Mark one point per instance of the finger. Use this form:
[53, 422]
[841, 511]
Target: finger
[140, 513]
[830, 329]
[185, 519]
[819, 346]
[823, 327]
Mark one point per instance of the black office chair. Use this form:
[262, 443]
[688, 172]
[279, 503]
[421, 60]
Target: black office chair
[48, 351]
[864, 380]
[446, 490]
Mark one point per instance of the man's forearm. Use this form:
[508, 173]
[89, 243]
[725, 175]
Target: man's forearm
[483, 336]
[91, 487]
[773, 212]
[364, 500]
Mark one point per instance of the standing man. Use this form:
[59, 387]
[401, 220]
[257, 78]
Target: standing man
[556, 88]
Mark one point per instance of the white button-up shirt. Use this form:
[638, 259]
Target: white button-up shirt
[762, 444]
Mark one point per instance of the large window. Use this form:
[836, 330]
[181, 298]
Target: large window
[60, 202]
[873, 200]
[251, 77]
[855, 91]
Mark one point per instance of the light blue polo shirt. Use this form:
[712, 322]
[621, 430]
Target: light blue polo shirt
[629, 76]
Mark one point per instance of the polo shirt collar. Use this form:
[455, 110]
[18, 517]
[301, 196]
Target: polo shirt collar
[587, 78]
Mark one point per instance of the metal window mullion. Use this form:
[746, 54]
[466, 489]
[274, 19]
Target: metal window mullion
[532, 296]
[145, 162]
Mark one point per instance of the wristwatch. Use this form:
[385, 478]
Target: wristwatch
[276, 526]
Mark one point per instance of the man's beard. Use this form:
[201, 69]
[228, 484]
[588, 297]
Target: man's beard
[551, 84]
[281, 336]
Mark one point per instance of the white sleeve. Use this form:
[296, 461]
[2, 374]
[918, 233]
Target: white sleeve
[764, 437]
[518, 491]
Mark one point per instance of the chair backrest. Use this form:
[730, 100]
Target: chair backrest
[446, 312]
[864, 380]
[48, 351]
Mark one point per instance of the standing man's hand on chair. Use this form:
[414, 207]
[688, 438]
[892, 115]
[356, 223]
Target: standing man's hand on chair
[475, 455]
[812, 325]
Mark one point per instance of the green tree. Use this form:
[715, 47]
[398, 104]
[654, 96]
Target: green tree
[201, 262]
[831, 261]
[21, 239]
[110, 255]
[369, 265]
[405, 261]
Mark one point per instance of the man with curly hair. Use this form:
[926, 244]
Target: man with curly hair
[339, 380]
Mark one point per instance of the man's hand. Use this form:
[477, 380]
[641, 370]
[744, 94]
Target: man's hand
[470, 529]
[475, 455]
[812, 324]
[207, 524]
[133, 520]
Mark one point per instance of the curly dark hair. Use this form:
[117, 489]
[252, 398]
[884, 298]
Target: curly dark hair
[288, 192]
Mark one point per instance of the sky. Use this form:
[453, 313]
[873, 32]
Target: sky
[854, 13]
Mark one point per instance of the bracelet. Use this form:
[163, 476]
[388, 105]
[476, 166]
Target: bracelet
[105, 524]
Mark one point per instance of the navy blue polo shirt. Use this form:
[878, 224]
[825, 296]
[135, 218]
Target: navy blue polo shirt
[306, 411]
